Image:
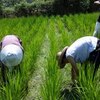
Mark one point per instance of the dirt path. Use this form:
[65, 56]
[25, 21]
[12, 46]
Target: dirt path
[35, 82]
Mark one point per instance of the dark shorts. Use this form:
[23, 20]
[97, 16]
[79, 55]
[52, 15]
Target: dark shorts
[95, 55]
[95, 58]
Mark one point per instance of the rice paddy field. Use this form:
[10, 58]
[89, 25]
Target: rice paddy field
[40, 77]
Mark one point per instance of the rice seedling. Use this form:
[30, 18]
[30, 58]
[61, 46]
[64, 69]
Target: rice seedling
[88, 88]
[68, 39]
[61, 31]
[52, 79]
[33, 38]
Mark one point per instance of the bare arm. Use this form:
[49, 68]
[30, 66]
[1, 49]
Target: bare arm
[74, 70]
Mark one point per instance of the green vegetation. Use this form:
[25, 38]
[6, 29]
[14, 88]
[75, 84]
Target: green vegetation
[52, 81]
[89, 89]
[60, 31]
[13, 8]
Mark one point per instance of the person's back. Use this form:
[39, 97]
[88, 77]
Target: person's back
[81, 48]
[10, 39]
[11, 54]
[11, 51]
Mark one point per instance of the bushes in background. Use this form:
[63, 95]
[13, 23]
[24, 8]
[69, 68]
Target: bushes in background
[27, 9]
[12, 8]
[73, 6]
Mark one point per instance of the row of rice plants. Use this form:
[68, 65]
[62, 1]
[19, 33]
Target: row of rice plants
[17, 33]
[65, 40]
[52, 78]
[64, 31]
[32, 32]
[80, 25]
[87, 89]
[85, 80]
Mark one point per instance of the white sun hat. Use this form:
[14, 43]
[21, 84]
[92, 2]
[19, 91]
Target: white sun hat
[11, 55]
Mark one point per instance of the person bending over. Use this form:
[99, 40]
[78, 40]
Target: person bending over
[11, 53]
[84, 48]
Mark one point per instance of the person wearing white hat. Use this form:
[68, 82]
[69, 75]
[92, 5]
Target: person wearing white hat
[11, 53]
[83, 49]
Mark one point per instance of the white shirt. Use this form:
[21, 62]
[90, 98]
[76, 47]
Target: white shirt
[97, 30]
[81, 48]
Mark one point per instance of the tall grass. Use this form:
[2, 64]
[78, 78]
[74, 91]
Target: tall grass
[52, 80]
[77, 27]
[61, 31]
[32, 32]
[64, 31]
[88, 88]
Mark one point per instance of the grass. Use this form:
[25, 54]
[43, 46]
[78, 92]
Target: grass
[51, 87]
[89, 88]
[61, 31]
[31, 38]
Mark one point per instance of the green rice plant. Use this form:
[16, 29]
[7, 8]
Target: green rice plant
[88, 88]
[80, 25]
[34, 50]
[78, 29]
[11, 90]
[61, 31]
[17, 87]
[52, 79]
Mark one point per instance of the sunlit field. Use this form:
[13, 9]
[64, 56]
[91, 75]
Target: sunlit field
[57, 31]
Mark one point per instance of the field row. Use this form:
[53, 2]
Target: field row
[60, 31]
